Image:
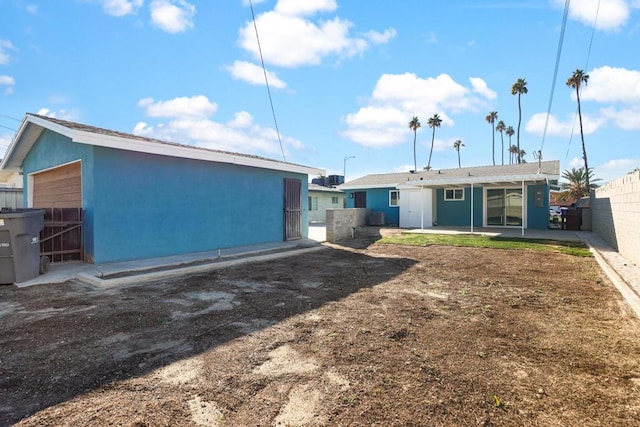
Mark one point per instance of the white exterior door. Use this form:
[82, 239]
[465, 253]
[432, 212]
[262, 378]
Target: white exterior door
[415, 208]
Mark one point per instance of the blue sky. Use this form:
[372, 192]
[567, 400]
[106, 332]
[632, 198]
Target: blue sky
[346, 77]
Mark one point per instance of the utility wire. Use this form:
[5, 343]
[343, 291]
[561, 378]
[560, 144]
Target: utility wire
[586, 65]
[264, 69]
[555, 72]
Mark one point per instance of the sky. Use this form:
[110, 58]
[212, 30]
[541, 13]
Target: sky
[345, 78]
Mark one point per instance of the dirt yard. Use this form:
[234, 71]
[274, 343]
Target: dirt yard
[371, 335]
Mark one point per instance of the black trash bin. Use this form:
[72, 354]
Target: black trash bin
[20, 244]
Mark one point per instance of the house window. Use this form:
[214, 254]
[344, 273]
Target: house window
[334, 200]
[451, 194]
[394, 198]
[313, 203]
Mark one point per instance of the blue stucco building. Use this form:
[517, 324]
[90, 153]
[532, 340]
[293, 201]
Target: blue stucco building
[144, 198]
[486, 196]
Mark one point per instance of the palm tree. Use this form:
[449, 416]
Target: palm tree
[491, 118]
[575, 81]
[501, 127]
[510, 133]
[579, 184]
[457, 145]
[414, 124]
[521, 155]
[513, 151]
[433, 122]
[519, 88]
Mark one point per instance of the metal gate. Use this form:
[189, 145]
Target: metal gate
[292, 209]
[61, 237]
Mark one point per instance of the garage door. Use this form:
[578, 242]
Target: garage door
[58, 188]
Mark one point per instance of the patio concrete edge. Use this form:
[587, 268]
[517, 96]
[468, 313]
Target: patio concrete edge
[142, 277]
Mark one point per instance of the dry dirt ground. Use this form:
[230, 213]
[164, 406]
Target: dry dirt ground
[367, 335]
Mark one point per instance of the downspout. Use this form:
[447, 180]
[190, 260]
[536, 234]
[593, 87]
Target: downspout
[422, 208]
[524, 201]
[472, 208]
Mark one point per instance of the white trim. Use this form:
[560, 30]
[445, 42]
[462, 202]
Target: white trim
[524, 206]
[454, 199]
[151, 147]
[397, 205]
[499, 180]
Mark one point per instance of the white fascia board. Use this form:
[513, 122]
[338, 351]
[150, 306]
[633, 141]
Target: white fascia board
[480, 180]
[365, 187]
[111, 141]
[62, 130]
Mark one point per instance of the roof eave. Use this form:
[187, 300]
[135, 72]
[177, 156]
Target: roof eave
[481, 180]
[32, 127]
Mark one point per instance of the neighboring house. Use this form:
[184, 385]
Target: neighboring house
[10, 189]
[322, 198]
[145, 198]
[494, 196]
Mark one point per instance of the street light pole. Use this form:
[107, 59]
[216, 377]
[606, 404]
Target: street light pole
[344, 168]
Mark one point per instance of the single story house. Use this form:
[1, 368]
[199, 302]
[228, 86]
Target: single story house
[144, 198]
[322, 198]
[487, 196]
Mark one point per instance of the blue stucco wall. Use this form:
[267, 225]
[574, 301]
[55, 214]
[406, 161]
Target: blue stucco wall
[152, 206]
[377, 201]
[141, 206]
[51, 150]
[538, 217]
[458, 213]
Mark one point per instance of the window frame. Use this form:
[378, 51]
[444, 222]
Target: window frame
[397, 204]
[453, 192]
[335, 200]
[313, 207]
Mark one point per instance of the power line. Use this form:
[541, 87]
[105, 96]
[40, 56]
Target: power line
[586, 66]
[7, 127]
[555, 71]
[264, 69]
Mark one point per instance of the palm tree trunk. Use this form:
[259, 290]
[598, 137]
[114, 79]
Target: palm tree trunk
[519, 121]
[433, 136]
[502, 146]
[584, 150]
[493, 143]
[415, 163]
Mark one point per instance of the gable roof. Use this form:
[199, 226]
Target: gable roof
[33, 125]
[549, 171]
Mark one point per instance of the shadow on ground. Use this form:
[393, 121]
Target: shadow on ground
[60, 341]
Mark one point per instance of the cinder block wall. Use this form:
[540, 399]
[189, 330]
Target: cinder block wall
[340, 222]
[615, 209]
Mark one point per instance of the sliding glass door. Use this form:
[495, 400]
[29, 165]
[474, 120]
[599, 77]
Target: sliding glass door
[504, 207]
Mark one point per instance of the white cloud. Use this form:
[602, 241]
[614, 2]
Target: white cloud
[480, 87]
[611, 84]
[32, 8]
[627, 119]
[381, 38]
[60, 114]
[121, 7]
[383, 122]
[304, 8]
[290, 38]
[254, 74]
[184, 107]
[189, 123]
[5, 46]
[611, 14]
[614, 169]
[377, 126]
[8, 82]
[172, 16]
[571, 126]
